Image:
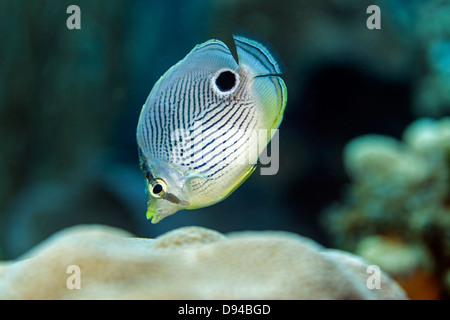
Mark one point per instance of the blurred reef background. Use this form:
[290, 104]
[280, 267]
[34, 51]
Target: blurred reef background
[364, 145]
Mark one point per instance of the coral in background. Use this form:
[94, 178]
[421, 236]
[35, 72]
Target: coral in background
[396, 212]
[432, 30]
[333, 64]
[189, 263]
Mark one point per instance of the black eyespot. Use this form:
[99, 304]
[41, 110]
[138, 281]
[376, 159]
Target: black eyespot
[157, 189]
[226, 81]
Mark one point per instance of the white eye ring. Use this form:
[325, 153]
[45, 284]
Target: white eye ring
[157, 188]
[225, 81]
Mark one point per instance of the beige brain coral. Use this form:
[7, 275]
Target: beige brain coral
[396, 210]
[188, 263]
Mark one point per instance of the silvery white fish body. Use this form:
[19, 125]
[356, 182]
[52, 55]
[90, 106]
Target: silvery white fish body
[201, 121]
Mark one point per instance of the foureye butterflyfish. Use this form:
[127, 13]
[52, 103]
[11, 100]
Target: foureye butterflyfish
[200, 122]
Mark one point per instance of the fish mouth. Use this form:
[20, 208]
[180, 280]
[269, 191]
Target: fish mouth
[174, 195]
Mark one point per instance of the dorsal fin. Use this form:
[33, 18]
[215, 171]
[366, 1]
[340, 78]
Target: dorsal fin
[254, 54]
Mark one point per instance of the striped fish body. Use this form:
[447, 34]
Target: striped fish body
[198, 130]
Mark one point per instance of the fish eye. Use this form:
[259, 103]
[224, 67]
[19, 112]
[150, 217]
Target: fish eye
[157, 188]
[226, 81]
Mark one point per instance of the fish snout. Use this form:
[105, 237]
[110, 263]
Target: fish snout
[164, 199]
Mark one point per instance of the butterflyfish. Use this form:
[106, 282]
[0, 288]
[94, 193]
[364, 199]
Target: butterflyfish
[198, 129]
